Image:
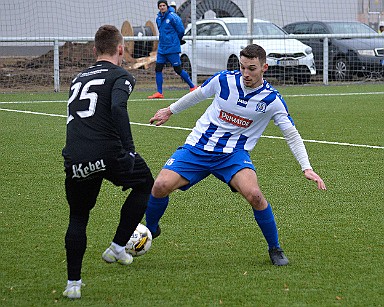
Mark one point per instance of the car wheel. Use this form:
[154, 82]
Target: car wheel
[233, 63]
[186, 64]
[341, 70]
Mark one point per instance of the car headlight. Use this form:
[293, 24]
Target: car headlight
[308, 50]
[366, 52]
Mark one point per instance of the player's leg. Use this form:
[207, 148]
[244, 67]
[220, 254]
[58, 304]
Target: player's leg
[182, 170]
[140, 180]
[81, 197]
[174, 58]
[184, 75]
[245, 182]
[159, 77]
[131, 214]
[166, 182]
[160, 62]
[237, 170]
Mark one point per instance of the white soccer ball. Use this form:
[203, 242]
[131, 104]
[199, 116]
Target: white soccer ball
[140, 241]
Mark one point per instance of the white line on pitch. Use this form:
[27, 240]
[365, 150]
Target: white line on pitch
[174, 99]
[189, 129]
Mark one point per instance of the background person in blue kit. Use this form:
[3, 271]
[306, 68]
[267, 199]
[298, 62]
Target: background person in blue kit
[171, 32]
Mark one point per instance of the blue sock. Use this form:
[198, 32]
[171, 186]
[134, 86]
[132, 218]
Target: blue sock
[159, 81]
[155, 210]
[184, 75]
[266, 221]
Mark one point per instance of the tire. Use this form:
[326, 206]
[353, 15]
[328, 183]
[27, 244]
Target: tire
[186, 64]
[341, 70]
[233, 63]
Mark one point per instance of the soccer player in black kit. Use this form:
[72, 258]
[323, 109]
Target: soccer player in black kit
[99, 145]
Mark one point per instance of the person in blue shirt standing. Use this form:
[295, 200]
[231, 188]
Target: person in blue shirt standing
[171, 31]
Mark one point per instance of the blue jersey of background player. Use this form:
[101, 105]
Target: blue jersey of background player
[171, 32]
[243, 105]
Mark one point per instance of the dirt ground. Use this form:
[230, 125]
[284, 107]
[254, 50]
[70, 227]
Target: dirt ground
[37, 73]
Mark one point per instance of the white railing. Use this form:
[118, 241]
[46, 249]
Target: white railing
[57, 40]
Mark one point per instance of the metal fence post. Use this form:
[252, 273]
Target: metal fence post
[251, 15]
[325, 61]
[194, 34]
[56, 66]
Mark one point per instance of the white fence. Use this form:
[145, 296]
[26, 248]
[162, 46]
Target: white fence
[56, 42]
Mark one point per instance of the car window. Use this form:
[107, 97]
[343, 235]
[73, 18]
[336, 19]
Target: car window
[217, 29]
[237, 28]
[318, 29]
[349, 28]
[208, 29]
[203, 29]
[259, 28]
[267, 28]
[302, 28]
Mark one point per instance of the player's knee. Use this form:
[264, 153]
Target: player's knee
[159, 67]
[161, 189]
[177, 69]
[256, 199]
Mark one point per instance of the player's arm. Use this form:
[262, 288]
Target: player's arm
[178, 25]
[120, 94]
[296, 144]
[180, 105]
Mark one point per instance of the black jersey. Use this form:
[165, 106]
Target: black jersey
[98, 123]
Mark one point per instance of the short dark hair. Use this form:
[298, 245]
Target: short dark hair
[254, 51]
[107, 38]
[162, 1]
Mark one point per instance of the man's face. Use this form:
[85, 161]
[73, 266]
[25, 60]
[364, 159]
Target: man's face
[163, 7]
[252, 71]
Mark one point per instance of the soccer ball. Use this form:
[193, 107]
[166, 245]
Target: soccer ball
[140, 241]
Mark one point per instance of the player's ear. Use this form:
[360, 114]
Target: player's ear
[121, 50]
[265, 67]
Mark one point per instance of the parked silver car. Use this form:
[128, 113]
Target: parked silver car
[286, 58]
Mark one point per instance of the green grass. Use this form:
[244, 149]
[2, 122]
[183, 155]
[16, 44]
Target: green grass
[211, 252]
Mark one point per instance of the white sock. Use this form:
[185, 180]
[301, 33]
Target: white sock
[117, 247]
[70, 281]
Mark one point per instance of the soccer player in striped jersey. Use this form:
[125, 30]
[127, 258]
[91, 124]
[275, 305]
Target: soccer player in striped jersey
[219, 144]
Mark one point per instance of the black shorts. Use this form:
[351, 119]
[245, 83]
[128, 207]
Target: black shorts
[83, 180]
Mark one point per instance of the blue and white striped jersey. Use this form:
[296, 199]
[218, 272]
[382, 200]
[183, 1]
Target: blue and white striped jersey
[238, 115]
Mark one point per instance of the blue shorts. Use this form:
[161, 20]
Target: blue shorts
[195, 164]
[173, 58]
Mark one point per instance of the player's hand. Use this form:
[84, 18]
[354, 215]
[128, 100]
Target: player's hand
[311, 175]
[127, 161]
[161, 116]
